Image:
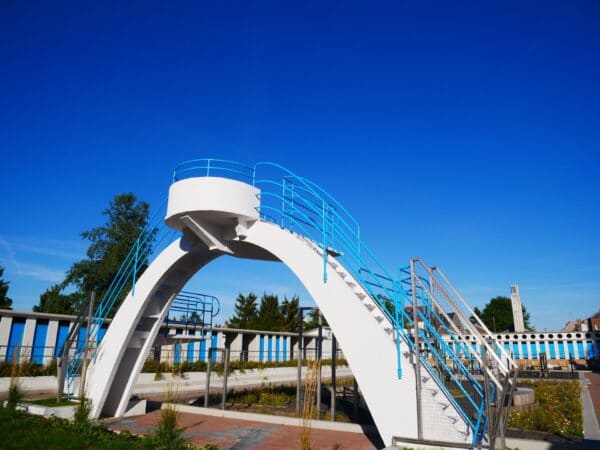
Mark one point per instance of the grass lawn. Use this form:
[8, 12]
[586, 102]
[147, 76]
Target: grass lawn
[19, 431]
[51, 402]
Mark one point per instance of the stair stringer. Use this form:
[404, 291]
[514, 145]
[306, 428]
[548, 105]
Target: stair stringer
[369, 349]
[120, 356]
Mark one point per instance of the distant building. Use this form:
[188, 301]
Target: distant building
[577, 325]
[517, 309]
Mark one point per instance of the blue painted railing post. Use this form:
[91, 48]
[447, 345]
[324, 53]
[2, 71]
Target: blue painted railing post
[135, 264]
[324, 226]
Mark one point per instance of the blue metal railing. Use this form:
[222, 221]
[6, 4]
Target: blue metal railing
[194, 311]
[301, 206]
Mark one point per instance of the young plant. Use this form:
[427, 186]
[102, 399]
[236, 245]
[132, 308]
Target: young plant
[168, 435]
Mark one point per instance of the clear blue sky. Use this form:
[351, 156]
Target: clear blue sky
[465, 134]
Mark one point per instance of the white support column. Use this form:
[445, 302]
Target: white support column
[27, 342]
[184, 348]
[50, 344]
[5, 325]
[235, 348]
[253, 348]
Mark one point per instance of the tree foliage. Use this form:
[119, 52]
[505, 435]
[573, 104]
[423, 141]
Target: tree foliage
[313, 320]
[53, 301]
[5, 301]
[245, 312]
[269, 315]
[110, 243]
[289, 314]
[497, 315]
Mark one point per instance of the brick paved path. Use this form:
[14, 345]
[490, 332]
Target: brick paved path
[246, 435]
[594, 389]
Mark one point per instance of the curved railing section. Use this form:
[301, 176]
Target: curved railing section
[194, 311]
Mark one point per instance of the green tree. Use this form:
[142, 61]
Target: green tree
[245, 312]
[497, 315]
[313, 320]
[53, 301]
[126, 217]
[5, 301]
[289, 314]
[269, 314]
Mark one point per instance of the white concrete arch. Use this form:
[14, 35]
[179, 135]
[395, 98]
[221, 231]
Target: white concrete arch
[364, 333]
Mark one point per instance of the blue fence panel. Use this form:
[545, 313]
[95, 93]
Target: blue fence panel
[516, 350]
[190, 352]
[590, 349]
[261, 349]
[534, 353]
[552, 350]
[561, 350]
[285, 350]
[277, 348]
[543, 347]
[39, 341]
[81, 339]
[525, 354]
[101, 333]
[214, 343]
[177, 353]
[203, 350]
[61, 337]
[571, 349]
[270, 348]
[15, 339]
[580, 352]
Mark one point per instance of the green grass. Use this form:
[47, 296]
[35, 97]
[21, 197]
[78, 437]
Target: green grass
[51, 402]
[19, 431]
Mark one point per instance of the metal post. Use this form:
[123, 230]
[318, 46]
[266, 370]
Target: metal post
[417, 350]
[207, 389]
[333, 375]
[299, 357]
[225, 368]
[319, 356]
[355, 401]
[86, 347]
[487, 399]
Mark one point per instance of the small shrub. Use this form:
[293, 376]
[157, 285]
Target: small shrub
[82, 413]
[15, 395]
[168, 435]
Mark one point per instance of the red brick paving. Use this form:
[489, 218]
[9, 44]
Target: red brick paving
[247, 435]
[594, 389]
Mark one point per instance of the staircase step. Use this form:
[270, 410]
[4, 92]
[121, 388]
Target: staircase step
[370, 306]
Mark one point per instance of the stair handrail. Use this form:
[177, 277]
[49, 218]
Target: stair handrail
[509, 359]
[464, 319]
[454, 327]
